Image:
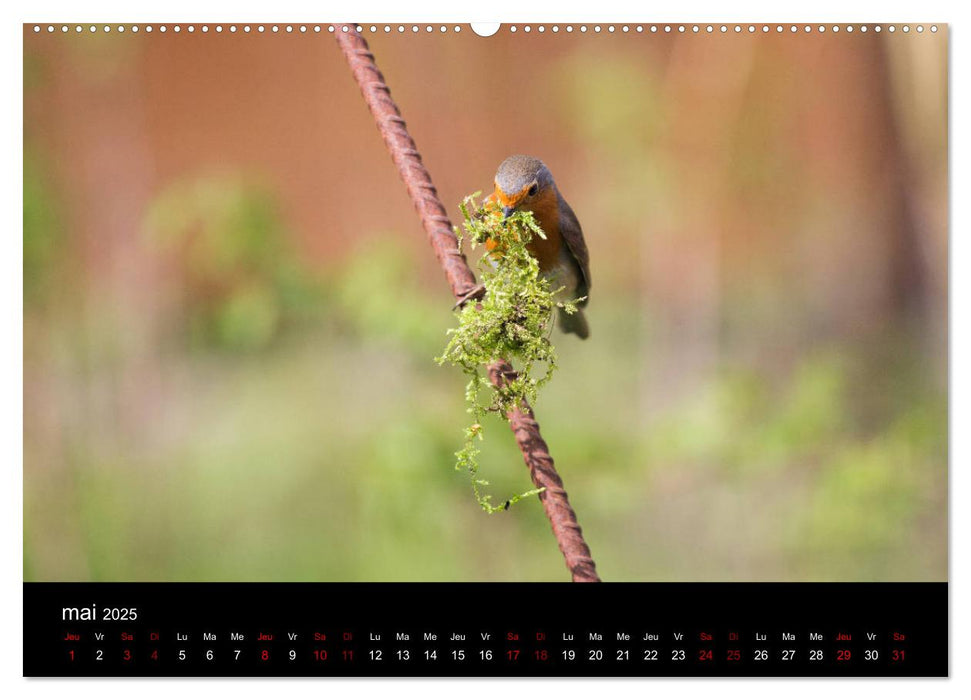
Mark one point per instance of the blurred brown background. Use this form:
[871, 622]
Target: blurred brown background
[231, 311]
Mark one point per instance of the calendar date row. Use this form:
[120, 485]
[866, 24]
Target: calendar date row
[378, 655]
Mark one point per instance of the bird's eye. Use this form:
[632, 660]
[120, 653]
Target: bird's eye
[533, 189]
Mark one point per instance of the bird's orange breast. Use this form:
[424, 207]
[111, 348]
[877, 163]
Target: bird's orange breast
[546, 209]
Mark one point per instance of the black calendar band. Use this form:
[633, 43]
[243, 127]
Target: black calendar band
[511, 629]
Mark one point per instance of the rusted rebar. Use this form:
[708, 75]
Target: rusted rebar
[462, 280]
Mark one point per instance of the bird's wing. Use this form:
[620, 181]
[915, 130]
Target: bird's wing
[573, 235]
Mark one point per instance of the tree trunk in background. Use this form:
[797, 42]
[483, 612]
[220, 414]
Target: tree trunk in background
[904, 226]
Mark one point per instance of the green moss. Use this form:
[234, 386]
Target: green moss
[513, 321]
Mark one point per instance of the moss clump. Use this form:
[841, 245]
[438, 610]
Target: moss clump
[513, 321]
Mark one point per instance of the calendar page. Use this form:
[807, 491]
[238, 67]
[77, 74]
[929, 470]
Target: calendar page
[355, 349]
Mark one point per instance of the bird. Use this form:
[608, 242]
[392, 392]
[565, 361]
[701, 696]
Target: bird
[524, 183]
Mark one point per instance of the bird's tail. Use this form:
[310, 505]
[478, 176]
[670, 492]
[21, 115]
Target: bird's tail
[575, 323]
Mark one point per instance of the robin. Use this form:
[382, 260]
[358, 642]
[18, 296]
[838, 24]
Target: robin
[524, 183]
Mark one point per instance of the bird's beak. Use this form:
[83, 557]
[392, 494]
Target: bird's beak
[507, 211]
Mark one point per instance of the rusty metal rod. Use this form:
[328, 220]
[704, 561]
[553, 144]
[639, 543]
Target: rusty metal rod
[462, 281]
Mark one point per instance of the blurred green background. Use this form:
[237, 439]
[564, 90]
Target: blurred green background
[230, 310]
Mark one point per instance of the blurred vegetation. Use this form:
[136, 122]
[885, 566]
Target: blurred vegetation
[229, 373]
[43, 233]
[242, 279]
[328, 456]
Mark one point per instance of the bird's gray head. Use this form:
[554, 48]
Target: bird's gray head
[520, 178]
